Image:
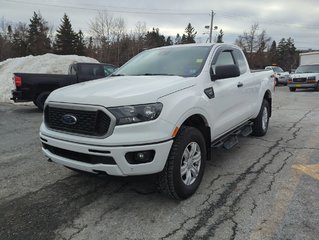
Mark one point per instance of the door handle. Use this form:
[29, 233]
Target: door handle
[240, 84]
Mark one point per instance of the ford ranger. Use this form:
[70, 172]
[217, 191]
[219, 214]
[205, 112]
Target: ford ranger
[161, 112]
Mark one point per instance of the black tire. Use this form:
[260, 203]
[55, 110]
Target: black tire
[260, 123]
[292, 89]
[170, 180]
[35, 102]
[40, 100]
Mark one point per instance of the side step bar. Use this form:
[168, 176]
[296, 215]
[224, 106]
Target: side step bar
[230, 139]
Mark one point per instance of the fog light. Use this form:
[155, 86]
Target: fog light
[140, 157]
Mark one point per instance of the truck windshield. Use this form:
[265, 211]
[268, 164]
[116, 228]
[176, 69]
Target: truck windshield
[308, 69]
[181, 61]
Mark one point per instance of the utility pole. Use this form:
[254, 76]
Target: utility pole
[211, 27]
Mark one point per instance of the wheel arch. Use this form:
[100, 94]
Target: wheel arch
[199, 122]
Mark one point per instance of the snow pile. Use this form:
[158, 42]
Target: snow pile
[47, 63]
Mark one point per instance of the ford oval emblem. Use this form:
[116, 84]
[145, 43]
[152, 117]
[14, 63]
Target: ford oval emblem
[69, 119]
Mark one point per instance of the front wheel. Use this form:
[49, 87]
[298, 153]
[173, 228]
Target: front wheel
[185, 165]
[260, 123]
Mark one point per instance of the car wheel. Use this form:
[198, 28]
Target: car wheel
[40, 100]
[260, 123]
[292, 89]
[185, 165]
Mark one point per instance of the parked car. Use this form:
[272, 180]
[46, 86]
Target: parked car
[281, 77]
[305, 76]
[36, 87]
[159, 113]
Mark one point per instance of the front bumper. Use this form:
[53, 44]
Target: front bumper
[302, 85]
[121, 167]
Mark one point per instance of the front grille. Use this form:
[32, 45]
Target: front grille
[81, 157]
[87, 122]
[299, 79]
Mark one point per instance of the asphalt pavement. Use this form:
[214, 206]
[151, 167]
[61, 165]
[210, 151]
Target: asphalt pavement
[263, 188]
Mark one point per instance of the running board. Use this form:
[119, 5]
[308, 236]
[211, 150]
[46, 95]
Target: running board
[230, 139]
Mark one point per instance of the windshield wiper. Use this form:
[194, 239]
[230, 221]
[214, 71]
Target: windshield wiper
[155, 74]
[117, 75]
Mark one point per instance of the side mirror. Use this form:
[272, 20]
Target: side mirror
[226, 71]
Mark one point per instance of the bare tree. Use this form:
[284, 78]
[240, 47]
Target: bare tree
[138, 37]
[118, 29]
[140, 30]
[107, 33]
[100, 28]
[254, 43]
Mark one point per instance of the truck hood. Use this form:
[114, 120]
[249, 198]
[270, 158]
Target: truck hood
[122, 90]
[304, 75]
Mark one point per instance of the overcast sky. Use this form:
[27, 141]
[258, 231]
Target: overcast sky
[280, 18]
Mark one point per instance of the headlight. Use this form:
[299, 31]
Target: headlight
[312, 78]
[136, 113]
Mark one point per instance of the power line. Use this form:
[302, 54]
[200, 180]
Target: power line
[142, 10]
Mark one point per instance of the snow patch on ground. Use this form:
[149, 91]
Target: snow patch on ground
[47, 63]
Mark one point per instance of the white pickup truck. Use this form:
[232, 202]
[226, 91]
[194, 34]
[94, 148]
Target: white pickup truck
[305, 76]
[162, 112]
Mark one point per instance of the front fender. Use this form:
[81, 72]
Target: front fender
[179, 106]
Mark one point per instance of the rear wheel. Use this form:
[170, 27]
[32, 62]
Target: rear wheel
[292, 89]
[185, 165]
[40, 100]
[260, 123]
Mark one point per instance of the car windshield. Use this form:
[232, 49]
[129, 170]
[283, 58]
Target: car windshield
[308, 69]
[180, 61]
[277, 69]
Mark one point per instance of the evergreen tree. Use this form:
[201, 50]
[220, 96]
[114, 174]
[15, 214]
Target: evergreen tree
[220, 36]
[169, 41]
[184, 39]
[10, 33]
[272, 53]
[287, 55]
[66, 39]
[80, 44]
[154, 39]
[38, 41]
[190, 34]
[20, 40]
[178, 39]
